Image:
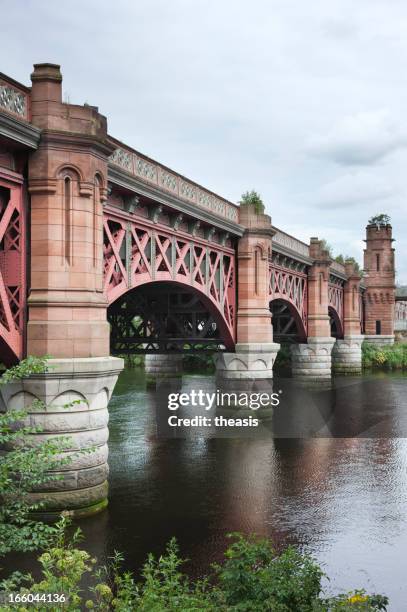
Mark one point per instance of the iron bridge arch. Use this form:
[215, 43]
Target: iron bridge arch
[169, 290]
[166, 317]
[288, 299]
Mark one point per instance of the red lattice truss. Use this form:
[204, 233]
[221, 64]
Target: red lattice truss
[291, 286]
[12, 272]
[137, 251]
[335, 296]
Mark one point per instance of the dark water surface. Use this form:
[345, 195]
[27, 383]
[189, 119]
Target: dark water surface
[344, 498]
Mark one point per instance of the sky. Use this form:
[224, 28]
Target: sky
[305, 102]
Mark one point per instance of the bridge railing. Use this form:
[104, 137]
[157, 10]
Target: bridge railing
[175, 184]
[289, 242]
[14, 98]
[338, 267]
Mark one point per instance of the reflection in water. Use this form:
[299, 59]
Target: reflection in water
[342, 498]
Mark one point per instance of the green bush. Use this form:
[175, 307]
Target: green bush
[390, 357]
[253, 577]
[252, 198]
[25, 465]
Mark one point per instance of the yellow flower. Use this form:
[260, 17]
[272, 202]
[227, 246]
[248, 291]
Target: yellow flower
[358, 598]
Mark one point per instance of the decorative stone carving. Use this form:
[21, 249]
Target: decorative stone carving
[122, 158]
[146, 170]
[168, 180]
[177, 220]
[155, 213]
[291, 243]
[187, 190]
[13, 100]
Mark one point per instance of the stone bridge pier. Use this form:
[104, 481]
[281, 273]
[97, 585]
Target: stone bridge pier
[347, 351]
[312, 361]
[255, 351]
[66, 306]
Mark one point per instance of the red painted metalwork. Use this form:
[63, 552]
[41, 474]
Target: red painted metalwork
[362, 312]
[12, 268]
[290, 285]
[138, 251]
[335, 297]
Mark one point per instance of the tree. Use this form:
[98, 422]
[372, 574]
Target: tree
[342, 259]
[380, 219]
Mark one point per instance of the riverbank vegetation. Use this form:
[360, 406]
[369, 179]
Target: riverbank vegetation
[390, 357]
[253, 576]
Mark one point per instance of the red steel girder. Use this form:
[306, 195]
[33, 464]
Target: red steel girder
[12, 269]
[138, 251]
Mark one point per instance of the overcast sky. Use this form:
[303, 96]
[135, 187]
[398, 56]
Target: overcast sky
[303, 101]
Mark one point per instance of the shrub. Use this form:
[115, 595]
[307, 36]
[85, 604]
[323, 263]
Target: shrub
[252, 578]
[252, 198]
[24, 465]
[390, 357]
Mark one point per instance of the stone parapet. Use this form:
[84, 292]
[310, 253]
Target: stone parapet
[89, 382]
[312, 361]
[347, 355]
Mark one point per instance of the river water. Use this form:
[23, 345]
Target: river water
[333, 482]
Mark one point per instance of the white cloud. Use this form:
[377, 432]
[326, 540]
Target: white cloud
[360, 139]
[227, 93]
[358, 188]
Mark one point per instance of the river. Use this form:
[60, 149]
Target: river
[333, 483]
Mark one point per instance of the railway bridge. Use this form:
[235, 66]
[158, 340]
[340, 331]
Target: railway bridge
[104, 251]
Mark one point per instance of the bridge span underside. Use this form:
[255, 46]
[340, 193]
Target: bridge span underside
[166, 317]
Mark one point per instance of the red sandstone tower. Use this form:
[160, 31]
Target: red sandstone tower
[379, 280]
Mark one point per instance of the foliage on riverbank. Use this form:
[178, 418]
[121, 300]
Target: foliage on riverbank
[390, 357]
[252, 577]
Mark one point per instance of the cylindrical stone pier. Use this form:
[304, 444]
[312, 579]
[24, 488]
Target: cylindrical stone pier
[162, 366]
[347, 355]
[311, 362]
[83, 488]
[347, 352]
